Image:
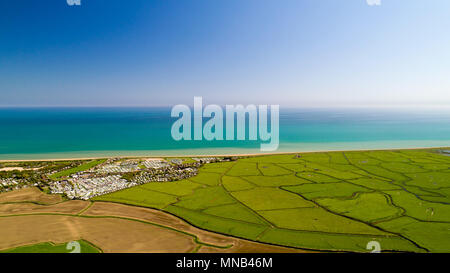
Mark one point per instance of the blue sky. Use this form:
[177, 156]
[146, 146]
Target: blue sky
[165, 52]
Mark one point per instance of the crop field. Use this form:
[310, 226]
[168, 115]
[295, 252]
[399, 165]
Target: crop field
[35, 222]
[334, 201]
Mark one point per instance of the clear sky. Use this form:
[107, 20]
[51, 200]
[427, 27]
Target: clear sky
[164, 52]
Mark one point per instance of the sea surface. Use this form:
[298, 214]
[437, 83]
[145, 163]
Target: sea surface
[50, 133]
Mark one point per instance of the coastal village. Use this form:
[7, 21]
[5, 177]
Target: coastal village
[117, 174]
[110, 175]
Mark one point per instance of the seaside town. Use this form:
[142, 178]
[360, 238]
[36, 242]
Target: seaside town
[114, 175]
[107, 176]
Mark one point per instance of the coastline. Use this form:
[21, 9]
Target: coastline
[68, 134]
[151, 154]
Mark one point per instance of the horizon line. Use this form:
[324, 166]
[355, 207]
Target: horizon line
[374, 106]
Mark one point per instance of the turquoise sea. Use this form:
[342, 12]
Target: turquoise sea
[35, 133]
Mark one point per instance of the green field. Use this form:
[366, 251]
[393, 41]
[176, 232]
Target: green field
[48, 247]
[334, 201]
[80, 168]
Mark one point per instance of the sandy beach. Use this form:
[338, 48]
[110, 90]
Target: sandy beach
[7, 169]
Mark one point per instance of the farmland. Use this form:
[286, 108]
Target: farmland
[334, 201]
[34, 222]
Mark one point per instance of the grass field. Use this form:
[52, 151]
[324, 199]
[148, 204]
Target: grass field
[80, 168]
[48, 247]
[336, 201]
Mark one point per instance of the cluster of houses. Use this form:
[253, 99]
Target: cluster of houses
[117, 174]
[156, 164]
[164, 175]
[82, 187]
[207, 159]
[9, 184]
[124, 167]
[113, 175]
[131, 166]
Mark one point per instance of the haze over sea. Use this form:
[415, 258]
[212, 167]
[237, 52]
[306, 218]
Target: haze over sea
[50, 133]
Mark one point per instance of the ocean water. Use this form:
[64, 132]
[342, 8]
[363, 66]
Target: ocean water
[35, 133]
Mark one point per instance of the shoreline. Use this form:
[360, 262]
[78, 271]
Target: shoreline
[217, 155]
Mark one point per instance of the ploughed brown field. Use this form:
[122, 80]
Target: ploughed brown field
[29, 216]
